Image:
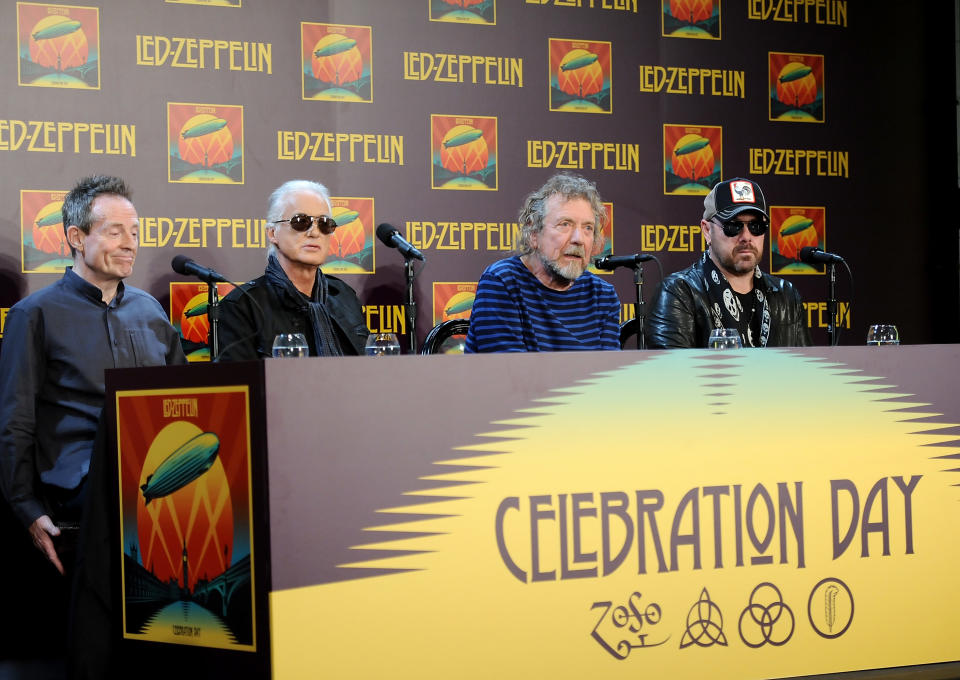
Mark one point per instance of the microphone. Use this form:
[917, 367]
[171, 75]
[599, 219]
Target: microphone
[611, 262]
[184, 265]
[812, 255]
[390, 237]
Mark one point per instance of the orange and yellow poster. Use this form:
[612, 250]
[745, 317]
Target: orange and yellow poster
[185, 516]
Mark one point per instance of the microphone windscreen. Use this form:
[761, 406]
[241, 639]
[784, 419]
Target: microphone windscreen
[179, 264]
[385, 233]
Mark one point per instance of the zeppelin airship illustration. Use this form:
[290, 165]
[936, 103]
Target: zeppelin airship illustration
[578, 62]
[796, 226]
[336, 45]
[691, 146]
[182, 466]
[196, 310]
[49, 220]
[461, 302]
[204, 128]
[794, 71]
[55, 30]
[462, 138]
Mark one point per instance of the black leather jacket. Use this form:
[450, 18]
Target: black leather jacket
[244, 335]
[680, 312]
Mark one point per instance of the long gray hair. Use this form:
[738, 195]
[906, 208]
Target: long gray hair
[280, 200]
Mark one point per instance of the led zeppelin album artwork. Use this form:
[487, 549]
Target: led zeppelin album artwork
[692, 159]
[185, 506]
[607, 241]
[188, 314]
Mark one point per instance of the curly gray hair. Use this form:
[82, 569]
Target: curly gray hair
[568, 186]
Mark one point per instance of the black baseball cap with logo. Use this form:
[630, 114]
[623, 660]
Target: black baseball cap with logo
[732, 197]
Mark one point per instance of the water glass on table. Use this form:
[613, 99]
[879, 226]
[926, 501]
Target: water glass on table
[724, 338]
[287, 345]
[382, 344]
[883, 334]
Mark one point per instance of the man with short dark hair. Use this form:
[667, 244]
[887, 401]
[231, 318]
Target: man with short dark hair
[543, 298]
[57, 343]
[725, 287]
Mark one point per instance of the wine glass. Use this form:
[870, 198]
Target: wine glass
[287, 345]
[382, 344]
[883, 334]
[724, 338]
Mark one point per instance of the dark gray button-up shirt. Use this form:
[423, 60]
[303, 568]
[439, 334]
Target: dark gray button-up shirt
[57, 343]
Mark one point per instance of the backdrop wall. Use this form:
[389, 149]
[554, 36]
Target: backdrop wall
[438, 116]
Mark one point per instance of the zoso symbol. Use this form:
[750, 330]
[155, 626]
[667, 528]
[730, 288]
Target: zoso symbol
[767, 619]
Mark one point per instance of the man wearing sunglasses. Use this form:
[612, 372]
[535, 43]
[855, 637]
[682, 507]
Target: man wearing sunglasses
[293, 295]
[725, 287]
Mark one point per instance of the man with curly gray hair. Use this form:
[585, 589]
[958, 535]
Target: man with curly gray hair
[543, 298]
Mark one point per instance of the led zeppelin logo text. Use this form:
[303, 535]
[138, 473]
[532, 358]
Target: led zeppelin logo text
[583, 155]
[810, 162]
[463, 68]
[181, 407]
[203, 53]
[828, 12]
[386, 318]
[463, 235]
[672, 238]
[113, 139]
[618, 5]
[819, 317]
[339, 147]
[752, 527]
[680, 80]
[202, 232]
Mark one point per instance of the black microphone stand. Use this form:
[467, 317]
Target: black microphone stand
[213, 317]
[411, 304]
[832, 334]
[638, 306]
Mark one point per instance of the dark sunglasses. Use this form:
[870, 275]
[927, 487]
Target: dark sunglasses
[734, 227]
[302, 222]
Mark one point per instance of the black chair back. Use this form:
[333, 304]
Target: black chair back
[442, 332]
[628, 329]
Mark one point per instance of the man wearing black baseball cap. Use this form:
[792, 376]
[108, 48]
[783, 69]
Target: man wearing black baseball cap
[725, 287]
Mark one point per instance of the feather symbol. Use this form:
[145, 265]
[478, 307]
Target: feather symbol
[830, 605]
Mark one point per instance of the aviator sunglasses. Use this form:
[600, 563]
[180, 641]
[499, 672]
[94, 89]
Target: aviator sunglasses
[734, 227]
[302, 222]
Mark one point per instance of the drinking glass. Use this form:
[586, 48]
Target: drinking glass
[382, 344]
[883, 334]
[287, 345]
[724, 338]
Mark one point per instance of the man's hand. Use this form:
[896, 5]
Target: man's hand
[41, 531]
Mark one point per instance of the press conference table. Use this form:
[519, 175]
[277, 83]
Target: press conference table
[761, 511]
